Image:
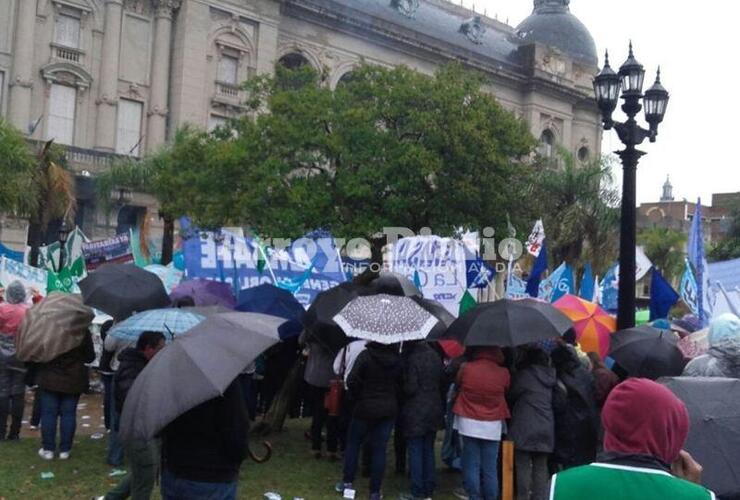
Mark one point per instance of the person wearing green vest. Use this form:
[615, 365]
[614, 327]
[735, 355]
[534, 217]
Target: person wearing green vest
[645, 428]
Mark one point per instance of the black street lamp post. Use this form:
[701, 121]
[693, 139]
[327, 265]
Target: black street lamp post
[62, 236]
[607, 87]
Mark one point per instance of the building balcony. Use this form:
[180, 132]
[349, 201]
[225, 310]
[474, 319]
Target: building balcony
[228, 95]
[61, 53]
[83, 161]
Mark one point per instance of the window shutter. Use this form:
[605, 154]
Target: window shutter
[61, 118]
[129, 127]
[228, 68]
[67, 31]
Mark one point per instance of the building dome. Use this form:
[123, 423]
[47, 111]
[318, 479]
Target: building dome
[552, 24]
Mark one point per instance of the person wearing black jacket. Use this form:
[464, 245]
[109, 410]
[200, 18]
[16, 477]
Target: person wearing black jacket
[204, 447]
[61, 381]
[422, 414]
[142, 455]
[374, 384]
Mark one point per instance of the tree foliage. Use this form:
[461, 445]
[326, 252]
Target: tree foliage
[579, 206]
[389, 147]
[16, 168]
[666, 249]
[729, 248]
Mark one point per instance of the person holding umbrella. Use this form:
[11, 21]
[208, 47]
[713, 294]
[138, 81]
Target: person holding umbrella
[12, 372]
[643, 451]
[61, 381]
[480, 412]
[142, 455]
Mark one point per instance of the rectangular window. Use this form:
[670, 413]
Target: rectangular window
[215, 121]
[228, 68]
[128, 139]
[67, 31]
[61, 119]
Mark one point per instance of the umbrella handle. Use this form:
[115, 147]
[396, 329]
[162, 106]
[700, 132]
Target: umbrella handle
[265, 458]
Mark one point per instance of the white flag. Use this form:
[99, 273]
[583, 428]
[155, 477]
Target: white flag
[642, 263]
[536, 237]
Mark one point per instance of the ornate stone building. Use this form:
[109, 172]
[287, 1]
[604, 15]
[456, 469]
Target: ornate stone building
[108, 77]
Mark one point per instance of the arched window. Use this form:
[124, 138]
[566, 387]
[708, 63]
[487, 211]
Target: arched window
[584, 154]
[293, 60]
[547, 143]
[346, 78]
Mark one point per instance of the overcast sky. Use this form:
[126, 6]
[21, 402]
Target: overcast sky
[695, 45]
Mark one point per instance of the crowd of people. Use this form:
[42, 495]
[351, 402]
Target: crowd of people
[580, 430]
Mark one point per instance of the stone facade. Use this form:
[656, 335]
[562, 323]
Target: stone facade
[119, 76]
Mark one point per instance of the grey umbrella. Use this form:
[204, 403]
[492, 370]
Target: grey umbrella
[387, 319]
[714, 434]
[194, 368]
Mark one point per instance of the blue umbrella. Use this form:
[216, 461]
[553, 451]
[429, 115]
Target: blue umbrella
[274, 301]
[171, 322]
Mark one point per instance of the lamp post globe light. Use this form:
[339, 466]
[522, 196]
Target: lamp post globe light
[607, 87]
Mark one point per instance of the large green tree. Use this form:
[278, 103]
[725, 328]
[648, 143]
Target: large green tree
[579, 207]
[389, 147]
[666, 249]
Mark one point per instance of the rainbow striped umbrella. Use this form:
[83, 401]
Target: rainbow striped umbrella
[592, 324]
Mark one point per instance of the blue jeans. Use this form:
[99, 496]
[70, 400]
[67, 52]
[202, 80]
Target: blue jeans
[57, 406]
[108, 403]
[115, 447]
[421, 465]
[480, 468]
[377, 432]
[175, 488]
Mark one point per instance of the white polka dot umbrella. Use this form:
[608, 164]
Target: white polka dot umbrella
[387, 319]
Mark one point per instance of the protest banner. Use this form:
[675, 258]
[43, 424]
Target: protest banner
[440, 263]
[306, 267]
[31, 277]
[111, 250]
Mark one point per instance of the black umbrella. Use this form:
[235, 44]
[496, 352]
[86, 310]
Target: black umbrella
[508, 322]
[439, 311]
[393, 284]
[319, 318]
[714, 434]
[647, 352]
[122, 290]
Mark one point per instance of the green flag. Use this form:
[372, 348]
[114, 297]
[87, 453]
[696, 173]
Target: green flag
[60, 282]
[467, 302]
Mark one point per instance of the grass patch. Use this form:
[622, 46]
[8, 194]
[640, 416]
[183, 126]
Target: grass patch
[292, 472]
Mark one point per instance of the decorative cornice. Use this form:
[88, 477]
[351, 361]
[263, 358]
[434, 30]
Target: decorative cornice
[406, 7]
[21, 82]
[105, 99]
[166, 8]
[158, 111]
[474, 29]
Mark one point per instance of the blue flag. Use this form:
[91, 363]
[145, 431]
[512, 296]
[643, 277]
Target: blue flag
[610, 289]
[587, 284]
[697, 259]
[479, 273]
[517, 288]
[689, 288]
[662, 296]
[564, 285]
[540, 266]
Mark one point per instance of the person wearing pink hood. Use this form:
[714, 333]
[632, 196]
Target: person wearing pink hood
[645, 428]
[12, 371]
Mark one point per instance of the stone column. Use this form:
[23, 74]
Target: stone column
[21, 80]
[105, 137]
[159, 91]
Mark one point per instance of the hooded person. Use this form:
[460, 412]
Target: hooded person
[723, 357]
[12, 371]
[374, 384]
[532, 422]
[643, 457]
